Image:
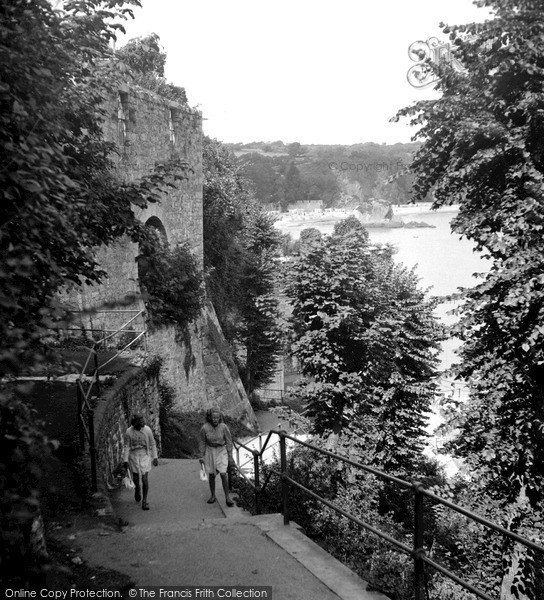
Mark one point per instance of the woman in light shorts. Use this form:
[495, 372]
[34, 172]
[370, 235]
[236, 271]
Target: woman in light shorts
[139, 452]
[216, 452]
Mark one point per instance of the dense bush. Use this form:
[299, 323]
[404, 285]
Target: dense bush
[171, 283]
[24, 450]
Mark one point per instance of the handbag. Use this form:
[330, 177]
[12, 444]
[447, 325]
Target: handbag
[127, 481]
[203, 476]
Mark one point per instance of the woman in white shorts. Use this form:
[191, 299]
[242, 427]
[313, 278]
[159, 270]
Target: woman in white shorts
[139, 452]
[216, 452]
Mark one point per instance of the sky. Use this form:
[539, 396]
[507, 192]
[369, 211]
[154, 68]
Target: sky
[307, 71]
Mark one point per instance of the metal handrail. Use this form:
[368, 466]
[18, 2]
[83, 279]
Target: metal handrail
[119, 352]
[237, 444]
[141, 312]
[86, 429]
[417, 552]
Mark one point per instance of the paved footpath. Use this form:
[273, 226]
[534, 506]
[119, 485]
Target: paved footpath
[183, 541]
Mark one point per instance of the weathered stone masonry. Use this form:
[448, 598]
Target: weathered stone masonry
[135, 392]
[197, 365]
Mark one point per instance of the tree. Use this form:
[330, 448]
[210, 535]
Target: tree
[293, 186]
[266, 181]
[171, 282]
[483, 147]
[295, 149]
[309, 237]
[144, 60]
[144, 55]
[319, 181]
[59, 202]
[240, 250]
[366, 341]
[61, 199]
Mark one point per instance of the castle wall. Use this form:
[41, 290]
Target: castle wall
[159, 130]
[151, 130]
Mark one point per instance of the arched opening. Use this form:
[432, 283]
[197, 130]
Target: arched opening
[156, 226]
[169, 278]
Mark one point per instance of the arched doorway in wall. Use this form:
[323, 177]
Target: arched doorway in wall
[169, 278]
[156, 226]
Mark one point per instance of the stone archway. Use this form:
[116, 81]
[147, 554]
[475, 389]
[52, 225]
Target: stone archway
[157, 226]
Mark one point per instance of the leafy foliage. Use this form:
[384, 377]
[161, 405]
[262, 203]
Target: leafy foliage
[309, 237]
[265, 181]
[335, 175]
[60, 201]
[144, 55]
[366, 341]
[171, 282]
[293, 186]
[24, 451]
[483, 147]
[240, 251]
[144, 59]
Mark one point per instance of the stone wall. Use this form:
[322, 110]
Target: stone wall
[135, 392]
[223, 384]
[199, 366]
[151, 130]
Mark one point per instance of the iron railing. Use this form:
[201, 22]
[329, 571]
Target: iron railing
[247, 445]
[85, 385]
[417, 550]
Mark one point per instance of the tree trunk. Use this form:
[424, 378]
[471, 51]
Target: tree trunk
[516, 559]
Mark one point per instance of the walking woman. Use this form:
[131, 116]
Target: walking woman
[139, 452]
[216, 452]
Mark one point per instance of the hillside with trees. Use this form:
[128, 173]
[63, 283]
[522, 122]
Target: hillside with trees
[283, 174]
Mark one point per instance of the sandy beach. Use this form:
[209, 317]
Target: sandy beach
[324, 220]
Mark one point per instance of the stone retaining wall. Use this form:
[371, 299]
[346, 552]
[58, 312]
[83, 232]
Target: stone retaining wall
[136, 391]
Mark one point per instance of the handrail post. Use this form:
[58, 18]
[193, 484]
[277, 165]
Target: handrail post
[92, 449]
[95, 353]
[284, 482]
[79, 417]
[419, 550]
[257, 480]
